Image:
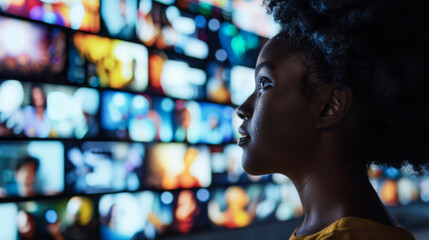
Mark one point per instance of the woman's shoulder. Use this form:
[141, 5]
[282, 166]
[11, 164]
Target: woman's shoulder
[353, 228]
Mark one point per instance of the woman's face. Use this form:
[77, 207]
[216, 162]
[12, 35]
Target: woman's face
[38, 97]
[278, 129]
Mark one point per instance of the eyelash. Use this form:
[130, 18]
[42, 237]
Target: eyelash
[262, 81]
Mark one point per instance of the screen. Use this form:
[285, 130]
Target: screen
[241, 47]
[148, 215]
[227, 168]
[206, 7]
[97, 167]
[247, 12]
[76, 14]
[197, 122]
[218, 84]
[176, 165]
[242, 83]
[166, 27]
[30, 169]
[424, 188]
[239, 206]
[104, 62]
[396, 186]
[137, 117]
[119, 17]
[47, 110]
[72, 218]
[30, 49]
[175, 78]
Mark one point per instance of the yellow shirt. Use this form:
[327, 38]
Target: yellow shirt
[352, 228]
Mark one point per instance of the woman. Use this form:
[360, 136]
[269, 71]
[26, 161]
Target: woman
[340, 87]
[36, 120]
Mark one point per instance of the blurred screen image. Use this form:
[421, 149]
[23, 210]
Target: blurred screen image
[242, 84]
[218, 83]
[396, 186]
[98, 167]
[176, 165]
[31, 168]
[47, 110]
[108, 63]
[247, 12]
[175, 78]
[238, 206]
[148, 215]
[137, 117]
[70, 219]
[228, 85]
[166, 27]
[205, 7]
[241, 47]
[227, 168]
[203, 122]
[424, 189]
[119, 17]
[75, 14]
[30, 49]
[224, 4]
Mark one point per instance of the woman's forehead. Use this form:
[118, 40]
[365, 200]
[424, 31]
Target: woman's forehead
[275, 50]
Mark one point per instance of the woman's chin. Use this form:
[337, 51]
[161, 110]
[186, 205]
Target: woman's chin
[254, 166]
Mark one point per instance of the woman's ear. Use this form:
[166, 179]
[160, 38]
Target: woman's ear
[335, 103]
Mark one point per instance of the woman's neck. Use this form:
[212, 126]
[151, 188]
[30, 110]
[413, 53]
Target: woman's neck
[331, 190]
[40, 112]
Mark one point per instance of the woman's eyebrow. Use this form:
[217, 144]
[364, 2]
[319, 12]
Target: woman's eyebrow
[267, 64]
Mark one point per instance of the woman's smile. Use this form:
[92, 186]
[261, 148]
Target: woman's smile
[245, 136]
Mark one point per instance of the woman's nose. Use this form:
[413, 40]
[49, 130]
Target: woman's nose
[245, 110]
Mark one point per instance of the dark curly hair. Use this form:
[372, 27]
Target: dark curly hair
[378, 49]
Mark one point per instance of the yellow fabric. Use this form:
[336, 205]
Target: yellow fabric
[352, 228]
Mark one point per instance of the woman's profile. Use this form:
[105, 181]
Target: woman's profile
[342, 85]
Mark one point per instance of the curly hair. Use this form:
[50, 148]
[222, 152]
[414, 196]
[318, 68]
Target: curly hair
[378, 49]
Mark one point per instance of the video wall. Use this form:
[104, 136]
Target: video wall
[117, 121]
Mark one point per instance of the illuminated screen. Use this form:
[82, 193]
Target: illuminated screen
[237, 206]
[224, 4]
[217, 88]
[176, 165]
[397, 186]
[104, 62]
[175, 78]
[205, 7]
[96, 167]
[31, 168]
[49, 219]
[197, 122]
[424, 188]
[76, 14]
[227, 168]
[166, 27]
[148, 215]
[242, 83]
[242, 47]
[119, 17]
[229, 84]
[29, 48]
[47, 110]
[137, 117]
[247, 12]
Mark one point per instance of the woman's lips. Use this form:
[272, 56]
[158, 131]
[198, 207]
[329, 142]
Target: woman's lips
[245, 137]
[243, 140]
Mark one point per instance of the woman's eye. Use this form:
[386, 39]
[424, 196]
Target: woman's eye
[264, 83]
